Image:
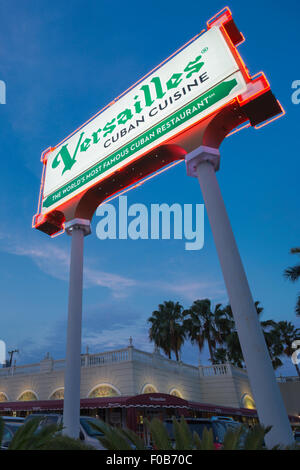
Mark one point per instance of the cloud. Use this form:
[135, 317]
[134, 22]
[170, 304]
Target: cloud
[54, 261]
[118, 284]
[98, 333]
[118, 337]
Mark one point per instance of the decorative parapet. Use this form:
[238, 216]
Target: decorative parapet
[293, 378]
[46, 365]
[20, 370]
[221, 370]
[109, 357]
[156, 359]
[128, 354]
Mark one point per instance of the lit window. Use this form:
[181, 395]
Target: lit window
[248, 402]
[176, 393]
[3, 397]
[104, 391]
[27, 396]
[149, 389]
[58, 394]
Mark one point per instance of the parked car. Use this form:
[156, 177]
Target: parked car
[8, 433]
[88, 434]
[13, 419]
[223, 418]
[218, 425]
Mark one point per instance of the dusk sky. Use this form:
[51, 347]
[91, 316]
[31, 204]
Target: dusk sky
[63, 61]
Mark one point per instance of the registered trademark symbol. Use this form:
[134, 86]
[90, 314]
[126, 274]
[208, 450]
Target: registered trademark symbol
[204, 50]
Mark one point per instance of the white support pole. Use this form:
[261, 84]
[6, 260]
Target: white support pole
[202, 163]
[77, 228]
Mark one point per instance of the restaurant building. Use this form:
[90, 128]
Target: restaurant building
[124, 386]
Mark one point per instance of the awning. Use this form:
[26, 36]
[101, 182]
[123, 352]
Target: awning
[209, 408]
[148, 400]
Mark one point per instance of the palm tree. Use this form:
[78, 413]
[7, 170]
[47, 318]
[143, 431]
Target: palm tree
[200, 325]
[224, 321]
[226, 327]
[288, 334]
[293, 274]
[273, 342]
[159, 333]
[166, 330]
[221, 356]
[232, 343]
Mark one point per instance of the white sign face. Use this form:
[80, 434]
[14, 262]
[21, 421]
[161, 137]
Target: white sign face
[199, 79]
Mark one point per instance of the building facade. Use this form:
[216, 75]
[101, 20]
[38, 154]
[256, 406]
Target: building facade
[130, 372]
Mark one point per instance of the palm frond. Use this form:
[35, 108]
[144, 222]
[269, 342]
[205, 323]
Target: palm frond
[233, 439]
[159, 433]
[30, 437]
[254, 439]
[182, 434]
[207, 441]
[297, 308]
[292, 273]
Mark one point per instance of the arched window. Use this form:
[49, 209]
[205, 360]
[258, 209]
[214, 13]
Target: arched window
[248, 402]
[175, 393]
[149, 388]
[58, 394]
[3, 397]
[28, 395]
[104, 390]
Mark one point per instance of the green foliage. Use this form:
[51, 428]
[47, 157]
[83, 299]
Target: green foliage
[182, 434]
[207, 441]
[171, 325]
[30, 437]
[166, 330]
[182, 438]
[293, 274]
[160, 436]
[65, 443]
[116, 438]
[134, 439]
[233, 439]
[201, 325]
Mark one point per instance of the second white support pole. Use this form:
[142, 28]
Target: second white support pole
[267, 396]
[77, 228]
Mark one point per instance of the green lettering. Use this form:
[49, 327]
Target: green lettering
[109, 127]
[194, 66]
[158, 87]
[174, 81]
[147, 95]
[124, 116]
[85, 145]
[96, 137]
